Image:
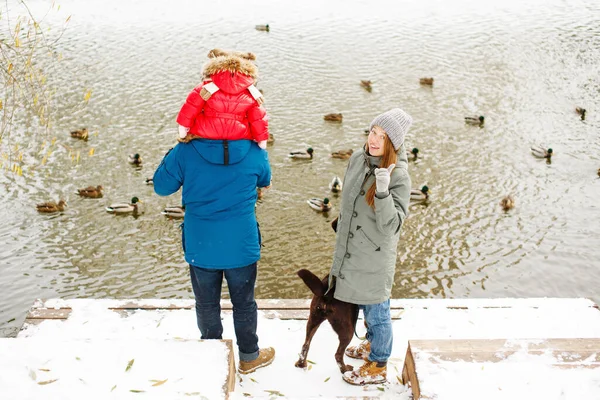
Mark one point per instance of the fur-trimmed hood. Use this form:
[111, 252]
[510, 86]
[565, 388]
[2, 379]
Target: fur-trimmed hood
[232, 61]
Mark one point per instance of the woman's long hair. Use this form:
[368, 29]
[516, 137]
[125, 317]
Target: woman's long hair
[388, 158]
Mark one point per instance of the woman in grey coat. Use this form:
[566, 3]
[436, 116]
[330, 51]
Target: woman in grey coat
[374, 205]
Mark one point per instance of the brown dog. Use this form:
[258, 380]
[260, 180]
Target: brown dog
[341, 315]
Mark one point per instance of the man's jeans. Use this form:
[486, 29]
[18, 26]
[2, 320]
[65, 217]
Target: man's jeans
[379, 330]
[207, 289]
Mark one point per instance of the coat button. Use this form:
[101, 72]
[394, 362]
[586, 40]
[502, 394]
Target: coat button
[362, 192]
[354, 214]
[347, 255]
[351, 235]
[341, 276]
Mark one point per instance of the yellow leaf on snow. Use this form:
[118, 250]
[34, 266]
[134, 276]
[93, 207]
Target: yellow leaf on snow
[47, 382]
[87, 96]
[129, 364]
[158, 383]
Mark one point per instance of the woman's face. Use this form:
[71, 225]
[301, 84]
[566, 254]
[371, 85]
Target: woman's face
[376, 141]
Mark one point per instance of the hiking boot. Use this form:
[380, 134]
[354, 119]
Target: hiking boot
[265, 357]
[360, 352]
[371, 372]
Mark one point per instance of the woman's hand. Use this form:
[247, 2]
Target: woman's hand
[382, 178]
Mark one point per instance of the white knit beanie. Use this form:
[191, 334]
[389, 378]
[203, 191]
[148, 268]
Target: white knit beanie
[395, 123]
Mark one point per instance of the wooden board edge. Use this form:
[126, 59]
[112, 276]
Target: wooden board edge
[409, 374]
[229, 385]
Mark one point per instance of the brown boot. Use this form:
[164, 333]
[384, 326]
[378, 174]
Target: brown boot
[265, 357]
[369, 373]
[360, 352]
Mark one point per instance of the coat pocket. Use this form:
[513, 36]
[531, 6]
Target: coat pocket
[366, 242]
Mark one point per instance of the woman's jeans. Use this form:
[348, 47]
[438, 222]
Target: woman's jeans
[379, 330]
[207, 289]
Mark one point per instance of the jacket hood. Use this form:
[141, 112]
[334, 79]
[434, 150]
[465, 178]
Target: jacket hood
[232, 62]
[214, 151]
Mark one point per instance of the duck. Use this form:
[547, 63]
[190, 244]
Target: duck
[336, 117]
[366, 85]
[540, 152]
[581, 111]
[507, 203]
[420, 194]
[271, 139]
[92, 192]
[263, 28]
[305, 155]
[475, 120]
[51, 207]
[426, 81]
[342, 154]
[150, 181]
[174, 211]
[124, 208]
[135, 159]
[336, 184]
[319, 205]
[412, 153]
[80, 134]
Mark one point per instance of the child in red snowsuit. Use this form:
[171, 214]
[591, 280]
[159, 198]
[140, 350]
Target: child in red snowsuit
[226, 105]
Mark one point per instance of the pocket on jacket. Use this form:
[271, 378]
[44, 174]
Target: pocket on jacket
[259, 235]
[182, 237]
[366, 241]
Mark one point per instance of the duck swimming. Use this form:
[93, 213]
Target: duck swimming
[419, 194]
[475, 120]
[91, 192]
[541, 152]
[319, 205]
[336, 117]
[302, 155]
[174, 211]
[51, 207]
[336, 184]
[426, 81]
[124, 208]
[80, 134]
[342, 154]
[135, 159]
[507, 203]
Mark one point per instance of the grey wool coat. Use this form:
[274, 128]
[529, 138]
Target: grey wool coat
[364, 260]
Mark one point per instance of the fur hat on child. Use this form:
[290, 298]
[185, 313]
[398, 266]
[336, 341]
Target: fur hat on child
[395, 123]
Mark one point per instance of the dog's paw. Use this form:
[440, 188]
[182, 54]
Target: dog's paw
[346, 368]
[300, 364]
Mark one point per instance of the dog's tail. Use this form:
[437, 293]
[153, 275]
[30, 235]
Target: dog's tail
[312, 281]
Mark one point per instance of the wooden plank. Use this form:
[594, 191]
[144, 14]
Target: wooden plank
[229, 385]
[48, 313]
[496, 350]
[409, 374]
[568, 354]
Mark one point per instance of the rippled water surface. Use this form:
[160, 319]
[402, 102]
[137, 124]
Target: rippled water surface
[525, 65]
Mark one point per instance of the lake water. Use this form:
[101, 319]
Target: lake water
[523, 64]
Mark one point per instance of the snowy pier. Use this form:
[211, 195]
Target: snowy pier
[443, 348]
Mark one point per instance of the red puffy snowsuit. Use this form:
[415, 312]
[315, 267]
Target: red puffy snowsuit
[232, 112]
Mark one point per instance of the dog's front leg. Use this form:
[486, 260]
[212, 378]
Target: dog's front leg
[312, 325]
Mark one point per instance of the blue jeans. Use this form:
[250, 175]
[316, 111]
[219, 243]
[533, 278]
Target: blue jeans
[379, 330]
[207, 290]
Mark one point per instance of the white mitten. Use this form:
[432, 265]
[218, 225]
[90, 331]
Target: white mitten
[382, 178]
[183, 131]
[262, 144]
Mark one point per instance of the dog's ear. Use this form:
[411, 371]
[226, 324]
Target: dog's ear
[312, 281]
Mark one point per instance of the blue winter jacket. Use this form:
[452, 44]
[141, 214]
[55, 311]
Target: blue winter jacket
[220, 230]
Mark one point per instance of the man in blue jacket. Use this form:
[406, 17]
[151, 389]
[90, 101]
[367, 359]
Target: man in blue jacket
[220, 234]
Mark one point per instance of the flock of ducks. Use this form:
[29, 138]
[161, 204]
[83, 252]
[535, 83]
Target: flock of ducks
[96, 192]
[322, 205]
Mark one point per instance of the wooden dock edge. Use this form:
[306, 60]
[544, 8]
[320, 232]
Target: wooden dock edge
[271, 308]
[409, 374]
